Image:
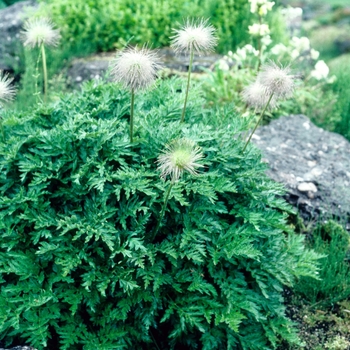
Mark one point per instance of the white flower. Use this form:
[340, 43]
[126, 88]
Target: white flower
[291, 13]
[321, 70]
[255, 96]
[276, 80]
[301, 44]
[279, 49]
[259, 29]
[180, 155]
[7, 91]
[223, 65]
[264, 8]
[261, 6]
[39, 31]
[314, 54]
[266, 40]
[294, 54]
[250, 49]
[196, 35]
[135, 68]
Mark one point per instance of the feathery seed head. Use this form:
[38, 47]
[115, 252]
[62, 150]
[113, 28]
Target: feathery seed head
[179, 155]
[197, 35]
[39, 31]
[7, 91]
[276, 80]
[255, 96]
[135, 68]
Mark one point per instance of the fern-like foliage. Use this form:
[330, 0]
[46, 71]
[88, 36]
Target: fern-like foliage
[79, 203]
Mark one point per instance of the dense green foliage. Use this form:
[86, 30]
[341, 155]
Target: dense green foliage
[332, 241]
[103, 25]
[341, 88]
[78, 208]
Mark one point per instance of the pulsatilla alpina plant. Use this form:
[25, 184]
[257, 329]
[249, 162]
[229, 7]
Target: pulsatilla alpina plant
[136, 69]
[194, 37]
[273, 83]
[7, 93]
[79, 267]
[40, 32]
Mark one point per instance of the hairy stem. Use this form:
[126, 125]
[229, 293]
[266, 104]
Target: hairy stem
[163, 210]
[36, 76]
[256, 125]
[188, 84]
[43, 54]
[132, 115]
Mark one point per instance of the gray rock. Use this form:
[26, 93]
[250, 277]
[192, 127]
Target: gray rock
[96, 66]
[313, 164]
[343, 44]
[11, 22]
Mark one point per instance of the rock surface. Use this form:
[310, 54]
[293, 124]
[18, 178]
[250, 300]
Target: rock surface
[96, 66]
[11, 22]
[313, 164]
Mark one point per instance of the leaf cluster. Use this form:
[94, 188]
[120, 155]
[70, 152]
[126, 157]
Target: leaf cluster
[78, 263]
[105, 25]
[332, 241]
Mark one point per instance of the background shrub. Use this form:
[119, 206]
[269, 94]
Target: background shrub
[332, 241]
[79, 205]
[105, 25]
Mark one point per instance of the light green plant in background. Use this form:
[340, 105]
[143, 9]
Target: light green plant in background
[261, 29]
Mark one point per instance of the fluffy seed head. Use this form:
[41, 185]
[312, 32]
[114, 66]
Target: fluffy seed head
[180, 155]
[37, 31]
[276, 80]
[197, 35]
[135, 68]
[7, 91]
[255, 96]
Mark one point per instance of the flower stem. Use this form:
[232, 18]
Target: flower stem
[261, 116]
[163, 210]
[188, 84]
[36, 76]
[132, 115]
[44, 70]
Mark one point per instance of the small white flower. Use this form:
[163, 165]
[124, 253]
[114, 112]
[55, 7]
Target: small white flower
[314, 54]
[223, 65]
[39, 31]
[135, 68]
[7, 91]
[266, 40]
[321, 70]
[179, 155]
[264, 8]
[261, 6]
[199, 36]
[276, 80]
[259, 29]
[279, 49]
[255, 96]
[301, 44]
[291, 13]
